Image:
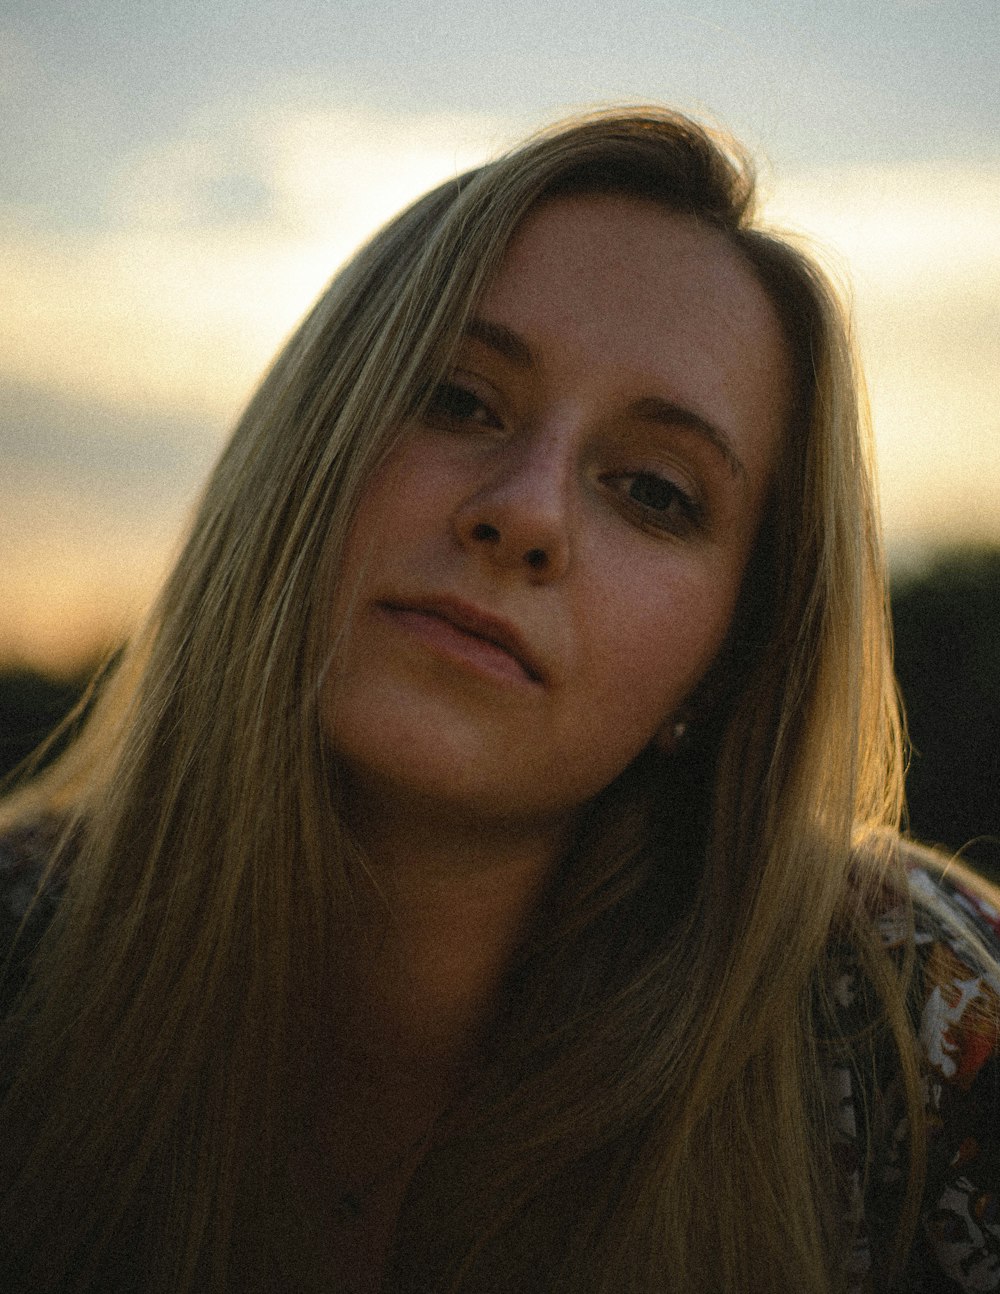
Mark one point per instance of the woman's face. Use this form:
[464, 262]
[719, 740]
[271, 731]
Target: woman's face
[548, 562]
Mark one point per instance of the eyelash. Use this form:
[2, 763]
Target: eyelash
[453, 407]
[679, 513]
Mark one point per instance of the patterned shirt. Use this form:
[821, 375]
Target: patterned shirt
[955, 1007]
[955, 1004]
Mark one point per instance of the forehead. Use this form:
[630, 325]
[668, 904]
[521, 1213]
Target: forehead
[631, 295]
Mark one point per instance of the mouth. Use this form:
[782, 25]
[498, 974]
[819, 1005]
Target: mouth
[459, 629]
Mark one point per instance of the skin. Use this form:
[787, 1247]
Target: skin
[596, 484]
[590, 478]
[573, 494]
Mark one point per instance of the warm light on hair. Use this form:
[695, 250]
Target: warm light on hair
[661, 1083]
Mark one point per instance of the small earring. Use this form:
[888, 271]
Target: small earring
[671, 735]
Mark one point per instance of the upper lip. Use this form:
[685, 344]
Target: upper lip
[482, 624]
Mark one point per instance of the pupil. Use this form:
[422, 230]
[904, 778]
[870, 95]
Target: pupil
[461, 403]
[652, 492]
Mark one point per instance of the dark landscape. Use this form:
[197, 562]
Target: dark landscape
[947, 628]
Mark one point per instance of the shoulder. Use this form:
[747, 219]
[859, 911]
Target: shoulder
[956, 935]
[955, 1005]
[25, 853]
[28, 899]
[952, 900]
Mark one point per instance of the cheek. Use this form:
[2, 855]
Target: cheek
[400, 509]
[394, 502]
[656, 645]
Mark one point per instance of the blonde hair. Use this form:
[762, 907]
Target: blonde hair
[660, 1070]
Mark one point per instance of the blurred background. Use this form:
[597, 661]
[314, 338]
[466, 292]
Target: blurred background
[178, 180]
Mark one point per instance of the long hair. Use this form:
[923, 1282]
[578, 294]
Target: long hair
[652, 1111]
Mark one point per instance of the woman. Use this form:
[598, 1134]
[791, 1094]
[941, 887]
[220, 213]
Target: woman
[481, 872]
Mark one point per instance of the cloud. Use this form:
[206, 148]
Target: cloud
[214, 245]
[73, 581]
[123, 347]
[152, 328]
[217, 241]
[926, 228]
[921, 245]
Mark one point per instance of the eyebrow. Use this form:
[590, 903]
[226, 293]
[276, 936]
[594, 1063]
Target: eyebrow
[502, 339]
[651, 408]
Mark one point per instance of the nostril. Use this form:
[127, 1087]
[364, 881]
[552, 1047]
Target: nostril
[485, 533]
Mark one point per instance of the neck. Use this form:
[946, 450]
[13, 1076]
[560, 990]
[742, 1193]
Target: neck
[456, 897]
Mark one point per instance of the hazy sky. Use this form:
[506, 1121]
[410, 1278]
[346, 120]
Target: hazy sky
[178, 181]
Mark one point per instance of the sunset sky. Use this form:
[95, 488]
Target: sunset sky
[177, 182]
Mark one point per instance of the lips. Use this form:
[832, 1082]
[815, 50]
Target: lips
[471, 623]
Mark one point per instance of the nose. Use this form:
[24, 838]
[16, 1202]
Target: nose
[519, 517]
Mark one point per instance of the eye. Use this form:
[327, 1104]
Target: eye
[657, 502]
[453, 405]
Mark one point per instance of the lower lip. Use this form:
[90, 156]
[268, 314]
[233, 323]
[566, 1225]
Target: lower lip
[458, 647]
